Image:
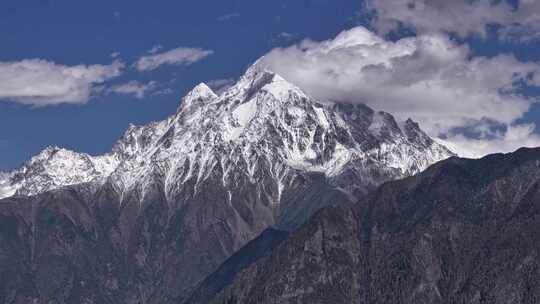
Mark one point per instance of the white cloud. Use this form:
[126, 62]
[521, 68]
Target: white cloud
[228, 17]
[282, 38]
[40, 82]
[285, 36]
[178, 56]
[163, 91]
[427, 78]
[220, 85]
[156, 48]
[463, 17]
[135, 88]
[513, 138]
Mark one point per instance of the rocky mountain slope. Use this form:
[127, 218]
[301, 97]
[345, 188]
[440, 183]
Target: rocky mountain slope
[256, 249]
[464, 231]
[175, 198]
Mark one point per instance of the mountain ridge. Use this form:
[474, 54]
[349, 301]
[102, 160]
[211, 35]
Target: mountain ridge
[187, 192]
[44, 172]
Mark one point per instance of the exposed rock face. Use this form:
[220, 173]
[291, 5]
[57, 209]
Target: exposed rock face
[464, 231]
[174, 199]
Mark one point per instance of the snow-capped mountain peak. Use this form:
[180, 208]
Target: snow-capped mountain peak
[196, 96]
[201, 91]
[55, 167]
[261, 121]
[192, 189]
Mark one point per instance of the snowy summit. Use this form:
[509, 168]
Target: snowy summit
[261, 119]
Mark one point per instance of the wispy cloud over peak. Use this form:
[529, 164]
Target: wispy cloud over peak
[429, 78]
[178, 56]
[221, 85]
[227, 17]
[462, 17]
[135, 88]
[156, 48]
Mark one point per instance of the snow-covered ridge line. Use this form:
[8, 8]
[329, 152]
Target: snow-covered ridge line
[53, 168]
[263, 120]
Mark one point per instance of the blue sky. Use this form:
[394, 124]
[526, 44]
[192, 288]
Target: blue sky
[104, 40]
[87, 32]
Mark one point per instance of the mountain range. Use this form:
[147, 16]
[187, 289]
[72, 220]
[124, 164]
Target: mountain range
[174, 199]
